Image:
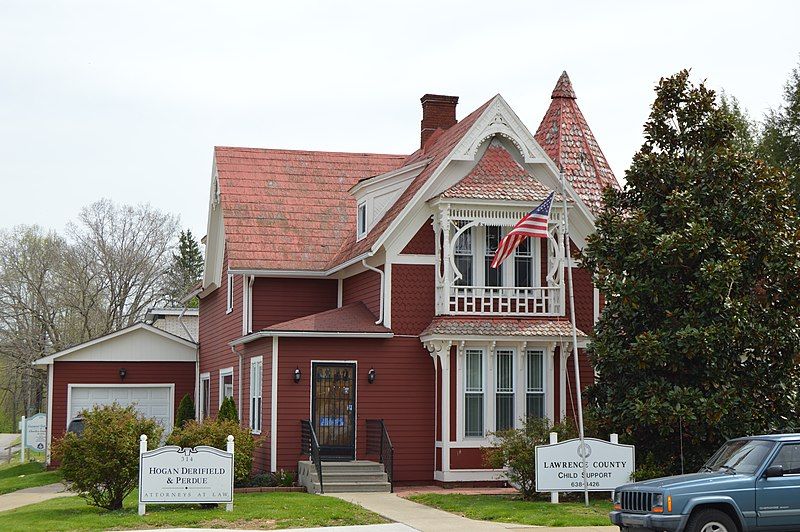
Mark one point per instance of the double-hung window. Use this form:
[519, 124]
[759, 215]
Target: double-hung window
[473, 393]
[225, 384]
[492, 276]
[534, 389]
[256, 377]
[523, 264]
[230, 293]
[205, 396]
[462, 253]
[504, 389]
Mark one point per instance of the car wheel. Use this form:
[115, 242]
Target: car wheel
[711, 520]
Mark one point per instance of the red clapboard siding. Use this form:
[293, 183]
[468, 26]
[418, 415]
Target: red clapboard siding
[181, 374]
[469, 458]
[413, 297]
[366, 287]
[278, 300]
[217, 329]
[423, 243]
[402, 395]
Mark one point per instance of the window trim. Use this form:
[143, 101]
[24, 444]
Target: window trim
[466, 391]
[222, 374]
[229, 291]
[256, 424]
[362, 207]
[204, 402]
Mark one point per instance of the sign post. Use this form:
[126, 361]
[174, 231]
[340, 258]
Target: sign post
[34, 434]
[591, 465]
[175, 475]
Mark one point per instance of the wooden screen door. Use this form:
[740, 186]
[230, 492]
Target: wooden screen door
[333, 409]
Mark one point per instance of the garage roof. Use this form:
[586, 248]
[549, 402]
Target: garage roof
[140, 342]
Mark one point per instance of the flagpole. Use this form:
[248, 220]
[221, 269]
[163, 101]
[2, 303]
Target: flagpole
[568, 257]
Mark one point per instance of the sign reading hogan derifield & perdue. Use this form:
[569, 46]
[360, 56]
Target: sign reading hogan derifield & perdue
[183, 476]
[560, 467]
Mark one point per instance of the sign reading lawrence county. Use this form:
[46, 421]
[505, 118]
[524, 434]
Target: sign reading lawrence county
[36, 432]
[183, 476]
[559, 467]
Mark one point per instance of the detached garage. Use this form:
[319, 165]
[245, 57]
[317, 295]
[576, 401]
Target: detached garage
[140, 365]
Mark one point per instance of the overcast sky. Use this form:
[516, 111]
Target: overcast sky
[125, 100]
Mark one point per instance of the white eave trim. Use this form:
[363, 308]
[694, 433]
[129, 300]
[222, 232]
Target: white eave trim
[583, 341]
[135, 327]
[301, 273]
[375, 180]
[307, 334]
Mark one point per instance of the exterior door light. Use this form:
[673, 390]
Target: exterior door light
[297, 375]
[371, 375]
[122, 373]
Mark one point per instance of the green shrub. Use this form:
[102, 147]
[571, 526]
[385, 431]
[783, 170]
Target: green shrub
[284, 478]
[516, 451]
[185, 411]
[102, 465]
[227, 410]
[214, 433]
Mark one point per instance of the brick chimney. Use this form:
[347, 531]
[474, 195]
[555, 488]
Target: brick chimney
[438, 112]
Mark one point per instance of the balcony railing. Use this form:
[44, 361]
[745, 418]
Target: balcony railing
[505, 301]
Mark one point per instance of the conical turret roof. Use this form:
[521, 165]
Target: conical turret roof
[565, 136]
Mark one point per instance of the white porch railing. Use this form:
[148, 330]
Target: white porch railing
[505, 301]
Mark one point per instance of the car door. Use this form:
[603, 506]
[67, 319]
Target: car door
[778, 498]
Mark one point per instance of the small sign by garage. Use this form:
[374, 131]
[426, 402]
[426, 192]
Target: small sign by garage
[176, 475]
[559, 467]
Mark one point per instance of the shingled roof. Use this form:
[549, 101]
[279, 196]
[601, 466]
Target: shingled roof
[497, 176]
[447, 326]
[287, 209]
[567, 139]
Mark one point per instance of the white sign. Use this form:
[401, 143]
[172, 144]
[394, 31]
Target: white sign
[174, 475]
[559, 467]
[36, 432]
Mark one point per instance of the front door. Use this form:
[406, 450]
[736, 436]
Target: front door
[333, 409]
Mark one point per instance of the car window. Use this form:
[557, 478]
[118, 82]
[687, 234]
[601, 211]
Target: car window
[743, 456]
[789, 458]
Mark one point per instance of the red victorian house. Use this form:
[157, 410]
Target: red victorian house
[342, 288]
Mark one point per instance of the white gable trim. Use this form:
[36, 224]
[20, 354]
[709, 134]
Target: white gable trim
[497, 119]
[215, 236]
[177, 357]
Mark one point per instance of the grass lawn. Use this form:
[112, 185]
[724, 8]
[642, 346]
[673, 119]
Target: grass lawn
[250, 510]
[17, 476]
[512, 509]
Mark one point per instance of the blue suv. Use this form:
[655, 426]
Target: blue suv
[751, 483]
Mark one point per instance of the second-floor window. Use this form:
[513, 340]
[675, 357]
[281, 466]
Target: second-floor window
[463, 257]
[492, 276]
[523, 264]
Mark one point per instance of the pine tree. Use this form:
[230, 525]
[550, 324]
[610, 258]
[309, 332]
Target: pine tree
[185, 411]
[227, 410]
[698, 261]
[186, 269]
[780, 136]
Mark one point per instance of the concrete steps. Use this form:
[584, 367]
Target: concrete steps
[359, 476]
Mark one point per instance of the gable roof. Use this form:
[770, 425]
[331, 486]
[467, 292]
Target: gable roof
[172, 348]
[438, 147]
[497, 176]
[565, 136]
[355, 317]
[290, 209]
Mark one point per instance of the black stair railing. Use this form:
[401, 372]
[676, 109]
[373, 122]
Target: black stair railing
[310, 445]
[378, 443]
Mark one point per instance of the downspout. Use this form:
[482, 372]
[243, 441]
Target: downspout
[239, 383]
[381, 273]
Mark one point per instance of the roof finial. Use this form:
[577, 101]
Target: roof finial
[563, 88]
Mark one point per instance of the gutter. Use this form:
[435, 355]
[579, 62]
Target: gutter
[308, 334]
[383, 283]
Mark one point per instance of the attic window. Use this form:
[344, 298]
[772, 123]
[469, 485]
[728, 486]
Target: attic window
[361, 223]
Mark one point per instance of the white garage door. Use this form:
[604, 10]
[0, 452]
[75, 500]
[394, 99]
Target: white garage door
[152, 401]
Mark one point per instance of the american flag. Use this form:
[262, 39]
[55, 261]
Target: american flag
[533, 224]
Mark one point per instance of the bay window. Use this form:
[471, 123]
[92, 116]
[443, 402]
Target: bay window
[473, 393]
[504, 390]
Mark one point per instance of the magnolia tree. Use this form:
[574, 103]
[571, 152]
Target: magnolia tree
[697, 258]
